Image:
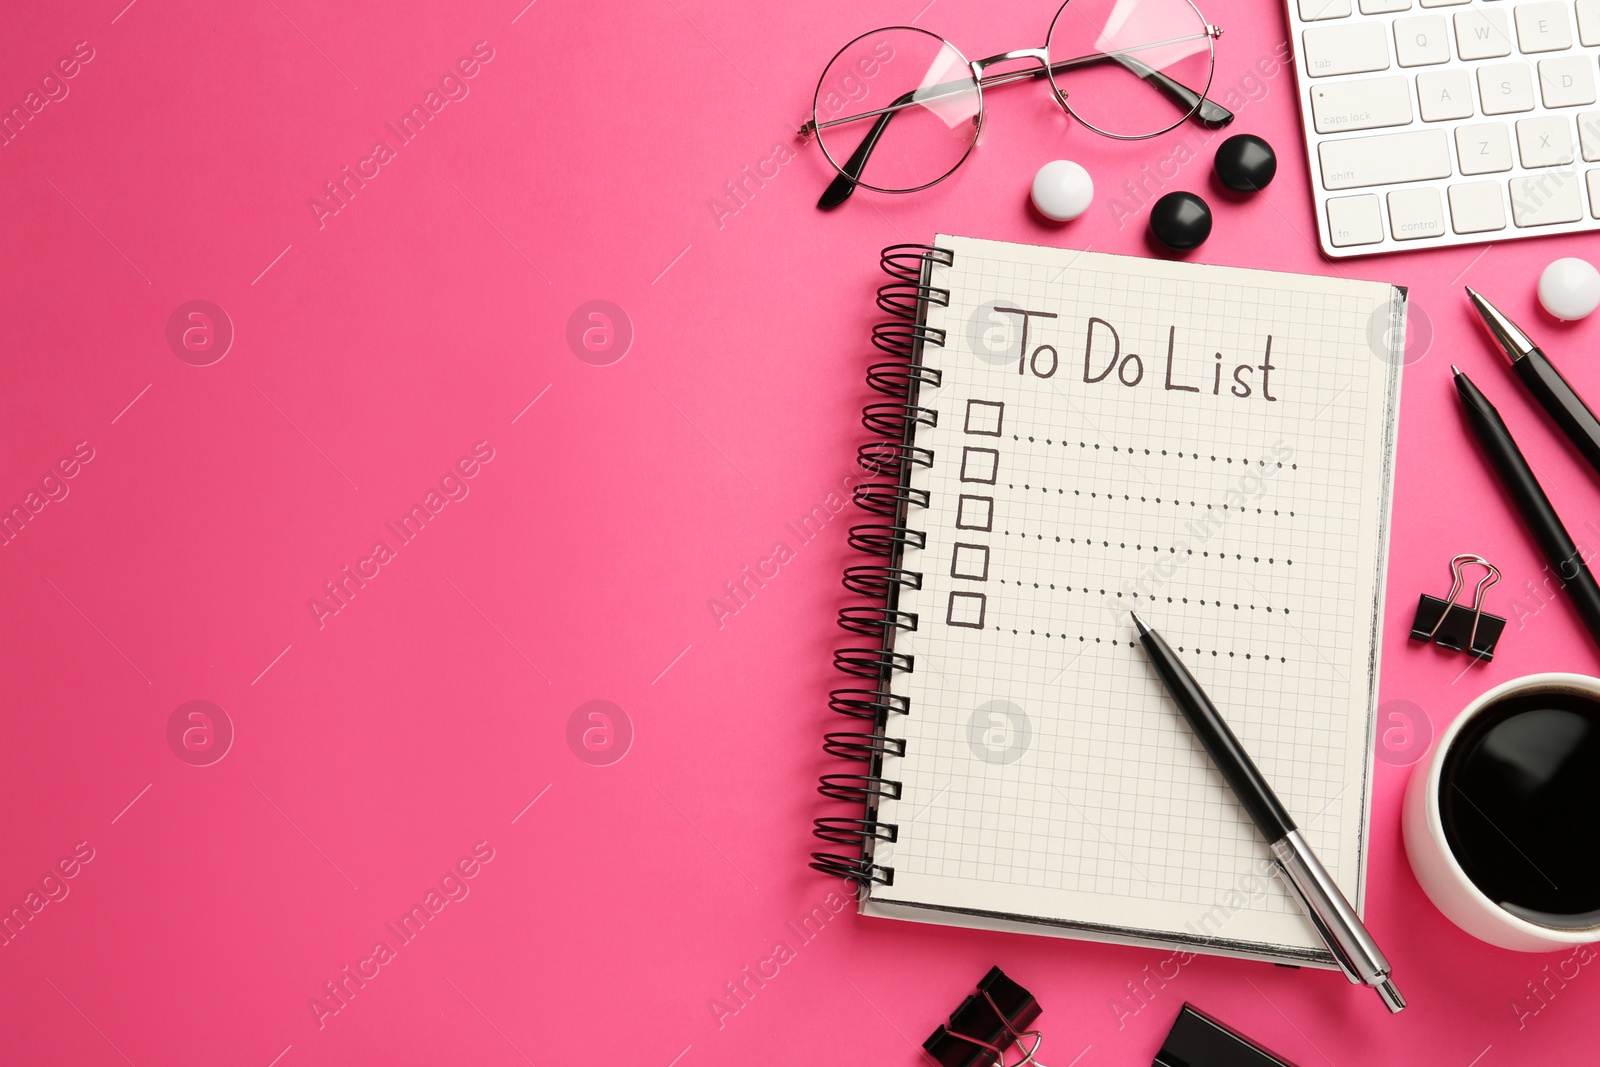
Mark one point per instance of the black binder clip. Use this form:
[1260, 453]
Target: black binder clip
[988, 1023]
[1198, 1040]
[1456, 626]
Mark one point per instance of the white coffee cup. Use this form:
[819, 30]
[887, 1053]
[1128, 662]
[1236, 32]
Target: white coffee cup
[1436, 867]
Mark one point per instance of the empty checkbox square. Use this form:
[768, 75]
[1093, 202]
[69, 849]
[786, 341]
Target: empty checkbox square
[984, 417]
[975, 512]
[980, 465]
[970, 561]
[966, 609]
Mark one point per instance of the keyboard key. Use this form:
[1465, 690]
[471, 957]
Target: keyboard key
[1361, 105]
[1589, 22]
[1483, 34]
[1355, 220]
[1314, 10]
[1386, 159]
[1543, 27]
[1545, 141]
[1566, 81]
[1346, 48]
[1545, 200]
[1505, 88]
[1589, 134]
[1477, 207]
[1444, 94]
[1483, 149]
[1419, 41]
[1415, 213]
[1415, 135]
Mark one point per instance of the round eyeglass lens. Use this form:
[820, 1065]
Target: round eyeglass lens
[1130, 68]
[897, 109]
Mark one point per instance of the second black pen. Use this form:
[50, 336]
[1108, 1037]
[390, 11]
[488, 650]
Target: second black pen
[1531, 502]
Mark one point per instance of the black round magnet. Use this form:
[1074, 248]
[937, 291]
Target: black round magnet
[1180, 221]
[1245, 162]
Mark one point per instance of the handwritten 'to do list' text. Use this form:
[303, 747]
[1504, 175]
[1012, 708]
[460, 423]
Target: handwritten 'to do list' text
[1104, 359]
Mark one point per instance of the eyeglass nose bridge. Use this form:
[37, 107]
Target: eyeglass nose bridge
[980, 67]
[1040, 56]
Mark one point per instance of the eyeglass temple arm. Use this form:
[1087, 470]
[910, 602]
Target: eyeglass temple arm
[839, 190]
[1207, 111]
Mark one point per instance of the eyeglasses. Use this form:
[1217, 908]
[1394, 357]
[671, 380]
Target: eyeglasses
[1136, 68]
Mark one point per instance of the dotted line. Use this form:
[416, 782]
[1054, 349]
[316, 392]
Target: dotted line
[1148, 596]
[1215, 652]
[1145, 500]
[1156, 548]
[1163, 452]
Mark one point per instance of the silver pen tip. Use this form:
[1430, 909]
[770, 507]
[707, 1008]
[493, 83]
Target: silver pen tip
[1454, 369]
[1510, 338]
[1143, 629]
[1390, 995]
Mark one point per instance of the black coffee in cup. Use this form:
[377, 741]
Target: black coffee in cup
[1519, 796]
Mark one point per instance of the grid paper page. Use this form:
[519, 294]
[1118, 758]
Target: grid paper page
[1211, 447]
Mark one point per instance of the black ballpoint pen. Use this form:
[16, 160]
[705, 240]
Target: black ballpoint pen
[1558, 398]
[1335, 920]
[1531, 502]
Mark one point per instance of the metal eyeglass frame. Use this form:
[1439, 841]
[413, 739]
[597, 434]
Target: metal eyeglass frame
[1208, 112]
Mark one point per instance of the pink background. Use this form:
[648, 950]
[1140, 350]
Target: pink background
[372, 353]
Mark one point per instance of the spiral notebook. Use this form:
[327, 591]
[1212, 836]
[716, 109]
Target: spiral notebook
[1063, 436]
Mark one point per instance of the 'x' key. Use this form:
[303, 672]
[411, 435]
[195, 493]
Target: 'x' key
[1545, 141]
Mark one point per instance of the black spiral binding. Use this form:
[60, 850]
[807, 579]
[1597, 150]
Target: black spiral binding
[873, 665]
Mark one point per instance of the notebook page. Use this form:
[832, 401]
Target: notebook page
[1211, 447]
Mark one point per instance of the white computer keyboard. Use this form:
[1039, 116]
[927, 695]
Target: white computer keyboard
[1448, 122]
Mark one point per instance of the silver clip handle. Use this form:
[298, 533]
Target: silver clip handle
[1336, 922]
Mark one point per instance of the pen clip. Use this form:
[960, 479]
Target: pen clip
[1335, 946]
